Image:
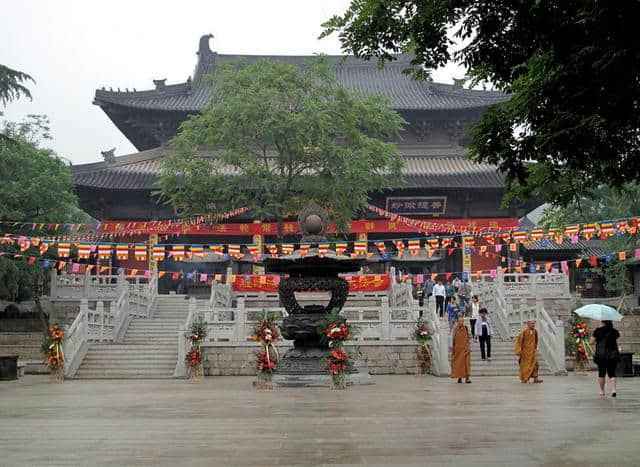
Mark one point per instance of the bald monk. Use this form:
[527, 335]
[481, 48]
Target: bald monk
[526, 348]
[460, 349]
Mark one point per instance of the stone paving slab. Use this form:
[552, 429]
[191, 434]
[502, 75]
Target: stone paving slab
[401, 420]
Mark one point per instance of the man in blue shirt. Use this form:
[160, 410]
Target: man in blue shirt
[452, 312]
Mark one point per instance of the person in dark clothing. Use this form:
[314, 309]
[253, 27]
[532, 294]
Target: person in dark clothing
[420, 295]
[484, 331]
[607, 354]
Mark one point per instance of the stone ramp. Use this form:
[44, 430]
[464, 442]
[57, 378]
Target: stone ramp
[149, 349]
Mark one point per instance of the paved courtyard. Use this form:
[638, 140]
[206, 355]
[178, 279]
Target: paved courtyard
[402, 420]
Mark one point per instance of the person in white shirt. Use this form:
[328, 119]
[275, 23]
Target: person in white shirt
[474, 309]
[484, 331]
[439, 293]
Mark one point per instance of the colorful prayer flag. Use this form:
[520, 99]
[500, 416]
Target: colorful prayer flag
[140, 252]
[122, 251]
[64, 249]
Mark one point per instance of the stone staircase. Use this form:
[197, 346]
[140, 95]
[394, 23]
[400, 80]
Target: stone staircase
[149, 348]
[503, 360]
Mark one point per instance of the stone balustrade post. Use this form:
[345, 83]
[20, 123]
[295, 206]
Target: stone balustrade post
[86, 284]
[241, 318]
[100, 314]
[385, 319]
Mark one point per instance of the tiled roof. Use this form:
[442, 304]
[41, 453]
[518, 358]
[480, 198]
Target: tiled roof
[424, 167]
[404, 92]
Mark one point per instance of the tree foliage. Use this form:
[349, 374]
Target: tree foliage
[35, 186]
[280, 136]
[571, 68]
[11, 84]
[605, 203]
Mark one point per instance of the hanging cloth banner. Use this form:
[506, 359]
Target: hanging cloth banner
[399, 244]
[177, 251]
[323, 248]
[104, 251]
[304, 249]
[414, 246]
[44, 246]
[158, 253]
[381, 248]
[287, 249]
[341, 248]
[217, 250]
[140, 252]
[64, 250]
[273, 249]
[197, 251]
[254, 251]
[360, 248]
[234, 250]
[122, 251]
[84, 250]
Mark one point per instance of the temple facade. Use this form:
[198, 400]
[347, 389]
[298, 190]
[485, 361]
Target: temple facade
[439, 183]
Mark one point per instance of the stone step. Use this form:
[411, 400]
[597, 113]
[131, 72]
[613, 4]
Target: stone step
[123, 374]
[130, 366]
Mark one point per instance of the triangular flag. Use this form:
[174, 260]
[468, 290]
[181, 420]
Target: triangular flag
[578, 262]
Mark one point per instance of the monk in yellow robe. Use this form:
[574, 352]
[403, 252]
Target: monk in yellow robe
[526, 349]
[460, 348]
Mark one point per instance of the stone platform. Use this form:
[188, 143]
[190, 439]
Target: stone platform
[401, 420]
[320, 381]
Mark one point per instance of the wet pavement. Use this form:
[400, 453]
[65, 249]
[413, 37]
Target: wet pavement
[402, 420]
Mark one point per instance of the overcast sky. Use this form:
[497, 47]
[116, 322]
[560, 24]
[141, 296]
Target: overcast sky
[73, 47]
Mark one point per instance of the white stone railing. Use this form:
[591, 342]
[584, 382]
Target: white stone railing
[121, 316]
[76, 343]
[182, 370]
[221, 295]
[551, 340]
[548, 285]
[400, 293]
[78, 286]
[440, 365]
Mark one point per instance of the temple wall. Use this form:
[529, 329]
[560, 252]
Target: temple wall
[398, 359]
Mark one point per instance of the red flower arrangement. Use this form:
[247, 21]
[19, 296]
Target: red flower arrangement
[193, 357]
[337, 333]
[580, 332]
[338, 362]
[266, 333]
[52, 347]
[265, 362]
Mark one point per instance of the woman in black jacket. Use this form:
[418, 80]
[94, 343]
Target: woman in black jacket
[606, 356]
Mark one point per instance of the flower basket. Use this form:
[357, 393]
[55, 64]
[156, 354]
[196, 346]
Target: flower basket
[338, 381]
[56, 375]
[423, 360]
[264, 381]
[197, 373]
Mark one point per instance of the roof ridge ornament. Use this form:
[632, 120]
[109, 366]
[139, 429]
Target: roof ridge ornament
[203, 47]
[109, 156]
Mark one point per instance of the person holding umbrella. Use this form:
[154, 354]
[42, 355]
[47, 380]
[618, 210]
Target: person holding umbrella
[605, 339]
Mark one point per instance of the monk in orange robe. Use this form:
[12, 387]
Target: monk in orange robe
[460, 348]
[526, 348]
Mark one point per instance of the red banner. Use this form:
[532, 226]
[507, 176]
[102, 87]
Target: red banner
[269, 283]
[291, 228]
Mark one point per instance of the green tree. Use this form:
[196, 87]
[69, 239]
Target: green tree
[605, 203]
[35, 186]
[281, 135]
[570, 67]
[11, 85]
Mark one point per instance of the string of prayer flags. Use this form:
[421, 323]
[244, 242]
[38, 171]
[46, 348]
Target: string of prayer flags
[588, 230]
[158, 252]
[489, 238]
[578, 262]
[341, 248]
[381, 248]
[607, 229]
[537, 234]
[571, 230]
[64, 250]
[122, 251]
[468, 241]
[140, 252]
[433, 243]
[446, 242]
[24, 244]
[84, 250]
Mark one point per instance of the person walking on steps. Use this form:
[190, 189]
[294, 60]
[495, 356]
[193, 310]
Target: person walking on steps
[460, 349]
[474, 313]
[439, 292]
[484, 331]
[607, 355]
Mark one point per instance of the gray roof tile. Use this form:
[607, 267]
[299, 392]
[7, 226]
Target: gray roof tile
[404, 92]
[424, 167]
